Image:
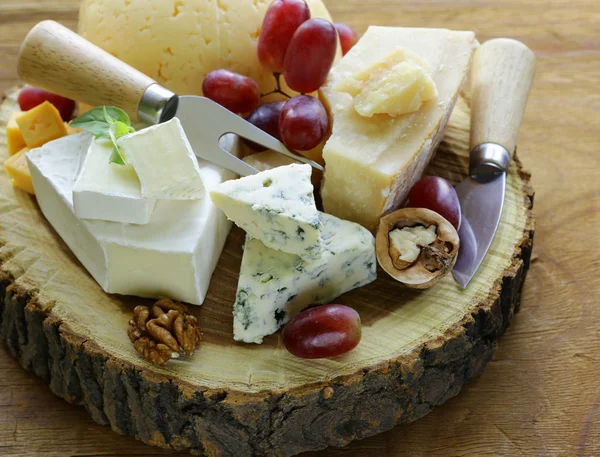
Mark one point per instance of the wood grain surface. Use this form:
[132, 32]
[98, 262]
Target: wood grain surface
[541, 393]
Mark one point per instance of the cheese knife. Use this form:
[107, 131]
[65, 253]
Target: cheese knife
[58, 60]
[501, 78]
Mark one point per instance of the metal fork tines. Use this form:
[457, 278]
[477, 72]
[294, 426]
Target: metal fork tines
[205, 122]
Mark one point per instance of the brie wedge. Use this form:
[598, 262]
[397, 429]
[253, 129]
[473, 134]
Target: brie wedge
[275, 286]
[372, 162]
[164, 162]
[108, 191]
[277, 207]
[174, 255]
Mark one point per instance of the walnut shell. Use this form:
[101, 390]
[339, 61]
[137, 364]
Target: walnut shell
[435, 260]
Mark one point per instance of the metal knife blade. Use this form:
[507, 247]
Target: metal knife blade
[481, 206]
[501, 77]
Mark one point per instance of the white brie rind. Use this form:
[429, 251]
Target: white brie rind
[275, 286]
[276, 206]
[173, 256]
[109, 191]
[164, 162]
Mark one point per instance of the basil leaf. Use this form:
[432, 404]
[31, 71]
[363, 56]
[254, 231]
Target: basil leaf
[106, 122]
[116, 131]
[116, 156]
[93, 121]
[118, 115]
[103, 136]
[99, 119]
[108, 118]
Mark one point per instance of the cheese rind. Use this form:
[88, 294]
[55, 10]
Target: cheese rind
[174, 255]
[165, 162]
[276, 206]
[275, 286]
[40, 125]
[371, 163]
[108, 191]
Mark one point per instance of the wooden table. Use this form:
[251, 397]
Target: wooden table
[541, 393]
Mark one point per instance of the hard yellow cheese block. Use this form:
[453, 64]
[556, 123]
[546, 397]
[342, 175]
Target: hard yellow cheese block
[40, 125]
[14, 138]
[372, 162]
[178, 42]
[17, 169]
[397, 84]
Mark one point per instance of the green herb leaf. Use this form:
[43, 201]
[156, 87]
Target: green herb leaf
[117, 156]
[117, 130]
[103, 136]
[112, 115]
[98, 120]
[106, 122]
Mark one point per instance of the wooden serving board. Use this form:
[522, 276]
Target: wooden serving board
[231, 399]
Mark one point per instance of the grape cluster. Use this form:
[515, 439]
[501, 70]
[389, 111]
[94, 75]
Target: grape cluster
[300, 49]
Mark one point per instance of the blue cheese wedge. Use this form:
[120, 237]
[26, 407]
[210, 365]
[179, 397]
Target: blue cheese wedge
[276, 207]
[275, 286]
[173, 255]
[164, 162]
[108, 191]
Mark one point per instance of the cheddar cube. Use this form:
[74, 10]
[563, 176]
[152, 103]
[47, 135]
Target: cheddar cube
[17, 169]
[40, 125]
[14, 138]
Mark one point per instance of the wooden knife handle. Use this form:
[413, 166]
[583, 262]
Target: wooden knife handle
[58, 60]
[501, 77]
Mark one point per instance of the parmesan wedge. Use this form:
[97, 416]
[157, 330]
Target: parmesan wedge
[372, 162]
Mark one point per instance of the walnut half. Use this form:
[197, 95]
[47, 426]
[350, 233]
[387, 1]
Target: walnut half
[416, 246]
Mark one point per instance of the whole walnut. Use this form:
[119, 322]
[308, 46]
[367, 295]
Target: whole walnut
[164, 331]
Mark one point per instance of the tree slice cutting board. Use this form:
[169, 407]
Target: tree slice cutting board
[235, 400]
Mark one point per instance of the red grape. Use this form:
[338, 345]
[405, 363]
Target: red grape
[281, 21]
[266, 118]
[325, 331]
[348, 36]
[30, 97]
[310, 55]
[303, 123]
[436, 194]
[235, 92]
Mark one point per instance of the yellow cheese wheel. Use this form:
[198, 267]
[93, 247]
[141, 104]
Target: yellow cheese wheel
[177, 42]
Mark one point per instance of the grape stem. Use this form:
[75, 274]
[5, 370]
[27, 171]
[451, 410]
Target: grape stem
[278, 90]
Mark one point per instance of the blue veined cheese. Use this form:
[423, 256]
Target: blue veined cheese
[276, 207]
[275, 286]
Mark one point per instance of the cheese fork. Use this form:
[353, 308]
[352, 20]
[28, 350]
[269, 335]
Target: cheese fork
[56, 59]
